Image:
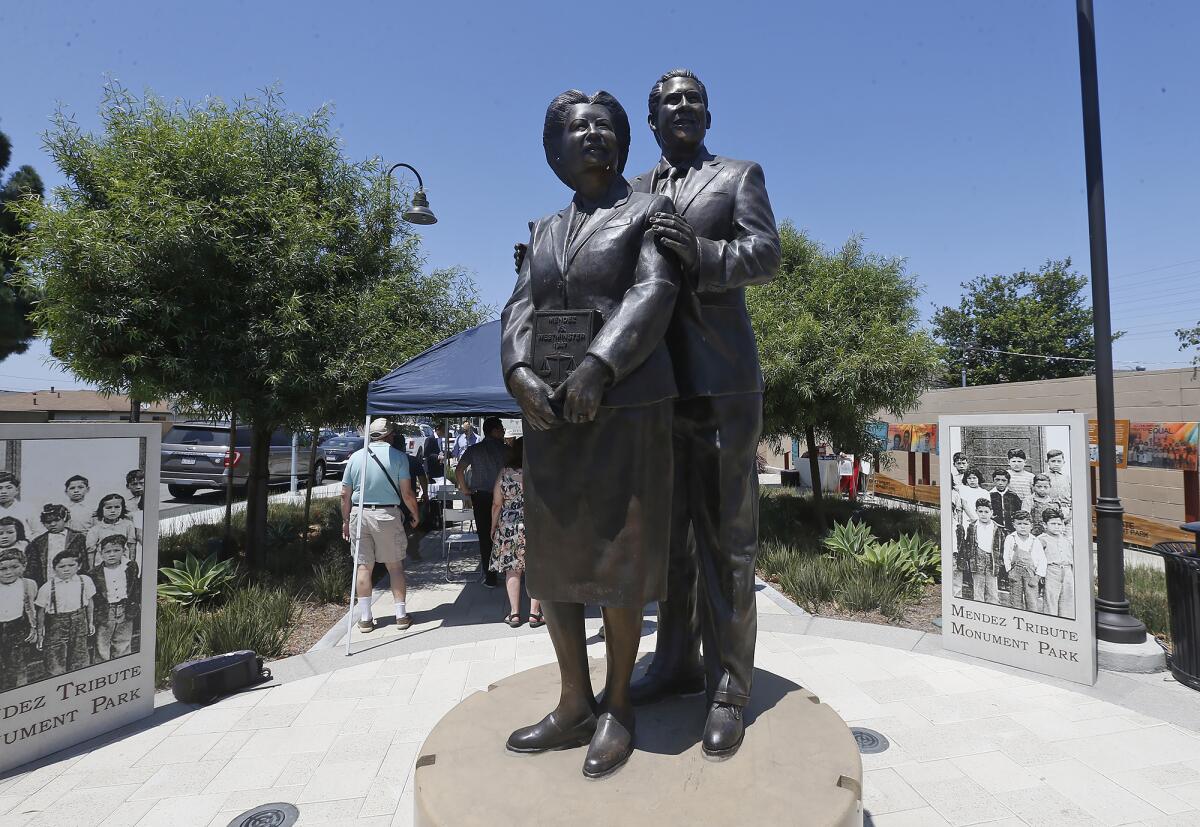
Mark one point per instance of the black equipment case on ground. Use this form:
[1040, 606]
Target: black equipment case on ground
[203, 681]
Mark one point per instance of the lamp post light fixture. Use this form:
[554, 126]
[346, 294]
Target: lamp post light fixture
[1114, 622]
[418, 212]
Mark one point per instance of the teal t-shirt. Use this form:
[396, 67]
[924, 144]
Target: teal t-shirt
[379, 491]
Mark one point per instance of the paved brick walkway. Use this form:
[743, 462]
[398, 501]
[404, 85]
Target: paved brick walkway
[337, 736]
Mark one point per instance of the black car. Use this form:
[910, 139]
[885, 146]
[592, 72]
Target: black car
[337, 450]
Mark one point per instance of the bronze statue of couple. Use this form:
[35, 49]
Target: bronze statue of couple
[663, 405]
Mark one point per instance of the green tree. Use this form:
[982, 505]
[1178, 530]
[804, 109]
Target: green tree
[16, 302]
[1190, 337]
[230, 256]
[839, 341]
[1042, 313]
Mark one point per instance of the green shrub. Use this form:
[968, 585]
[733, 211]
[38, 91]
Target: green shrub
[178, 639]
[1146, 589]
[876, 587]
[252, 617]
[815, 580]
[330, 581]
[196, 581]
[848, 539]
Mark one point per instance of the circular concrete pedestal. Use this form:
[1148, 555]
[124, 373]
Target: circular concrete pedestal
[799, 764]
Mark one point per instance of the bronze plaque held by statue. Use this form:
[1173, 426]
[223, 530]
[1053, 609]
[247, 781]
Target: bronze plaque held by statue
[560, 341]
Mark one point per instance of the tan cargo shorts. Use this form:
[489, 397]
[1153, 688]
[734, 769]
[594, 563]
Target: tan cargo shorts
[384, 535]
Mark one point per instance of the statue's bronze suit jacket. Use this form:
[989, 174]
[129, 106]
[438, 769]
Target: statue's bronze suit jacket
[710, 338]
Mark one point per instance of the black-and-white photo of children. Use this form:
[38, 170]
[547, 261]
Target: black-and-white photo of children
[18, 618]
[1013, 541]
[71, 566]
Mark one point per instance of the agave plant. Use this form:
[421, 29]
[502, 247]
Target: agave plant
[849, 539]
[892, 558]
[196, 581]
[926, 556]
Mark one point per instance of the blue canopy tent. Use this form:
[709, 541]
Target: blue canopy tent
[457, 377]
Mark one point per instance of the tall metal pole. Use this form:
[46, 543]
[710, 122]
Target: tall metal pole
[1114, 623]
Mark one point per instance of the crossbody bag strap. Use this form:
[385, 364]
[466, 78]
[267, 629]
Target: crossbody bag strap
[391, 482]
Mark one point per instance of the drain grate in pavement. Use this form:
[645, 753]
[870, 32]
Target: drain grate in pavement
[279, 814]
[869, 741]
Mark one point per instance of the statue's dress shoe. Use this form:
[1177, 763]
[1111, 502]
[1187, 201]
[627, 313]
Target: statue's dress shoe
[610, 748]
[657, 686]
[548, 734]
[723, 731]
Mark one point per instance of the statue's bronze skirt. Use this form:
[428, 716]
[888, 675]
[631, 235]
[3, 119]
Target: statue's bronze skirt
[598, 508]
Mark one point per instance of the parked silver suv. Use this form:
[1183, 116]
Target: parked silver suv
[195, 456]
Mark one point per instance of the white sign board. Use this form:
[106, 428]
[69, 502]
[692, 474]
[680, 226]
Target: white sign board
[78, 572]
[1016, 542]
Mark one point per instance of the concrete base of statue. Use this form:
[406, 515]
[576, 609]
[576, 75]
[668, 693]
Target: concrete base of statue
[799, 764]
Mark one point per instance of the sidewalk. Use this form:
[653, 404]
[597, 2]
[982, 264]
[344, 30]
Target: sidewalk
[338, 737]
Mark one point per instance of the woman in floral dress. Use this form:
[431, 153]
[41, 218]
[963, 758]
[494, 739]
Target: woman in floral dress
[508, 537]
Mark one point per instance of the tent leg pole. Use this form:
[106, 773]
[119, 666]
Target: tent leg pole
[362, 496]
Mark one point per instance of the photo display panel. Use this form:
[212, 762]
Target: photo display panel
[1016, 542]
[78, 575]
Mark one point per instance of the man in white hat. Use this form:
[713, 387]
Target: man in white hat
[378, 476]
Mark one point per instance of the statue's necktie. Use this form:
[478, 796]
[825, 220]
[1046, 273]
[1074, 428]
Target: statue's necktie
[672, 182]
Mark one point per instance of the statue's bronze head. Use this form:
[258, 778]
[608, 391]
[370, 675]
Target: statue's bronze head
[584, 131]
[679, 113]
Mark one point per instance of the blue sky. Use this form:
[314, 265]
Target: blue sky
[948, 133]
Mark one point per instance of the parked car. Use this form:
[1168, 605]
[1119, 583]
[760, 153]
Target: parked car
[414, 436]
[195, 456]
[337, 450]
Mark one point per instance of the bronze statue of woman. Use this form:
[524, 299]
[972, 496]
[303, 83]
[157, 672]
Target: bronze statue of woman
[598, 446]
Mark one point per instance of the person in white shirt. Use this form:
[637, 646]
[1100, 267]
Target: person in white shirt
[39, 556]
[1025, 560]
[64, 616]
[18, 619]
[1020, 481]
[984, 546]
[118, 599]
[10, 502]
[961, 463]
[846, 475]
[864, 474]
[83, 513]
[972, 491]
[1060, 566]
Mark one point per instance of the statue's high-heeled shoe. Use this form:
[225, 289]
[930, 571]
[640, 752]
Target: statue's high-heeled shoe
[610, 748]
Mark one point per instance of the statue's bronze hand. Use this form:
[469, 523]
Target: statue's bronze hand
[580, 395]
[533, 395]
[677, 236]
[519, 251]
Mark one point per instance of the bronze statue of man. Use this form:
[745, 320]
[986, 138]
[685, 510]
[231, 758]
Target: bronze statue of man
[723, 232]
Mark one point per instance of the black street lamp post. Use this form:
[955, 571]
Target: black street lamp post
[419, 212]
[1114, 623]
